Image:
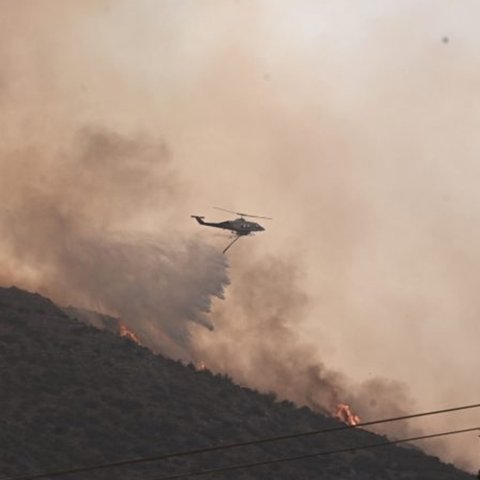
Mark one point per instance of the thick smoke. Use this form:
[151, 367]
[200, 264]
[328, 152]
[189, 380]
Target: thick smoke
[67, 232]
[354, 126]
[257, 342]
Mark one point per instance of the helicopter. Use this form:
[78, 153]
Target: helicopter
[240, 227]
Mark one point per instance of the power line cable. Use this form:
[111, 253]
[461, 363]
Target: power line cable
[244, 466]
[215, 448]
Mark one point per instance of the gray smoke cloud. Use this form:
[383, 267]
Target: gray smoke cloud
[354, 126]
[67, 232]
[257, 342]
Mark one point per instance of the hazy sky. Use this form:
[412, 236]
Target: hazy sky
[353, 124]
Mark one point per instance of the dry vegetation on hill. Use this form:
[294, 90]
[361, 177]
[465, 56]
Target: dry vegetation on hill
[74, 395]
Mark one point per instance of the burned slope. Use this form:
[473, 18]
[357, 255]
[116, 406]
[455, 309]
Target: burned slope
[73, 395]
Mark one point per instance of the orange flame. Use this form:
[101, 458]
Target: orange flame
[345, 415]
[201, 366]
[128, 333]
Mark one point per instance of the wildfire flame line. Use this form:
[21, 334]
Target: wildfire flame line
[344, 414]
[201, 366]
[126, 332]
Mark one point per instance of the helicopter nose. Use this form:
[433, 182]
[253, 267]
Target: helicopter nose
[260, 228]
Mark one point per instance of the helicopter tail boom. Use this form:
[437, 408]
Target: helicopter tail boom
[199, 219]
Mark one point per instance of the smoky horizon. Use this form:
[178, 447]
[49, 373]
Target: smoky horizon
[354, 126]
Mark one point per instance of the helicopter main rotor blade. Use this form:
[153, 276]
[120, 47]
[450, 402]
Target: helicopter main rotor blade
[255, 216]
[242, 214]
[225, 210]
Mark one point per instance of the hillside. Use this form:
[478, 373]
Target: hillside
[74, 395]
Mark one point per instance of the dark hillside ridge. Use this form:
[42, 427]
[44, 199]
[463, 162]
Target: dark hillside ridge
[95, 319]
[73, 395]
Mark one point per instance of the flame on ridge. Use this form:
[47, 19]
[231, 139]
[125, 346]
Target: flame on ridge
[201, 365]
[127, 332]
[344, 414]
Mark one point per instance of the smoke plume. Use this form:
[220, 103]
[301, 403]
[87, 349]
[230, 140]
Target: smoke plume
[355, 127]
[256, 341]
[67, 232]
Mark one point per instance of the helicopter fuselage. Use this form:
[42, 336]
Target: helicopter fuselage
[239, 226]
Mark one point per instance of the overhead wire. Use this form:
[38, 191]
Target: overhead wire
[244, 466]
[215, 448]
